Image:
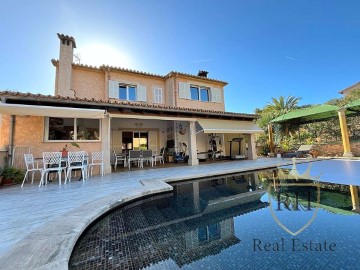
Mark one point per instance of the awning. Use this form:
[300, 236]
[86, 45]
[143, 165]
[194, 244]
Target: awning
[150, 117]
[228, 126]
[353, 106]
[309, 115]
[20, 109]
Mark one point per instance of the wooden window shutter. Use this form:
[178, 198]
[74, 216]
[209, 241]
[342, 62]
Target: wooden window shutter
[141, 93]
[184, 90]
[113, 89]
[216, 95]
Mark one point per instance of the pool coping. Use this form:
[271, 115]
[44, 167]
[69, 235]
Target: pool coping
[45, 248]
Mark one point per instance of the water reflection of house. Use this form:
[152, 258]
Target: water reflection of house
[197, 221]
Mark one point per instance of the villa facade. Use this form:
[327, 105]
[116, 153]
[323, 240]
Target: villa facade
[115, 109]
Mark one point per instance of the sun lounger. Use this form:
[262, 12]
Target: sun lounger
[303, 151]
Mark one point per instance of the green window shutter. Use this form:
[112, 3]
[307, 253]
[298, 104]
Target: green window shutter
[216, 95]
[184, 90]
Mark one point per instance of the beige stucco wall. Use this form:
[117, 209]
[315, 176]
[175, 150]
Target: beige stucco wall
[64, 69]
[138, 79]
[88, 83]
[4, 131]
[93, 83]
[56, 92]
[29, 131]
[169, 89]
[193, 104]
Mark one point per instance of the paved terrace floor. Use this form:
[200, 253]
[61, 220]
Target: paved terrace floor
[40, 226]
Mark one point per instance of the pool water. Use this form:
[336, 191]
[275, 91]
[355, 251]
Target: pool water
[258, 220]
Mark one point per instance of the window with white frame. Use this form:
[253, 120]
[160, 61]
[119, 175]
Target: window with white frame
[199, 93]
[158, 95]
[72, 129]
[127, 91]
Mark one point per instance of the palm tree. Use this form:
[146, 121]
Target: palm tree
[282, 106]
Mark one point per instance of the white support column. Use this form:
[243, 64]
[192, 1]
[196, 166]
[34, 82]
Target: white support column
[250, 138]
[192, 145]
[105, 143]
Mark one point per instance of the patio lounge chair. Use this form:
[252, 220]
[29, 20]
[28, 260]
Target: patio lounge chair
[303, 151]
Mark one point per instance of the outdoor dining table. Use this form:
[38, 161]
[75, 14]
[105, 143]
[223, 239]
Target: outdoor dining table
[63, 164]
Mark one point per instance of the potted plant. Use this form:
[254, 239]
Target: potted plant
[12, 175]
[64, 151]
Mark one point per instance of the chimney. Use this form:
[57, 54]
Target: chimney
[64, 73]
[203, 73]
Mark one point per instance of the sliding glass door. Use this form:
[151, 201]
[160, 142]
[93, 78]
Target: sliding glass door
[140, 140]
[135, 140]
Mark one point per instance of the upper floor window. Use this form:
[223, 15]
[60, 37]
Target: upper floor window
[72, 129]
[199, 93]
[157, 95]
[127, 92]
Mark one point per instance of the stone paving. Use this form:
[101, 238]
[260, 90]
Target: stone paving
[40, 226]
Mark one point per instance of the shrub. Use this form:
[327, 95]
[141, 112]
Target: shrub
[13, 173]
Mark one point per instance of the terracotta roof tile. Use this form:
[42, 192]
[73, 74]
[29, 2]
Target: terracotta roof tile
[11, 94]
[193, 76]
[172, 73]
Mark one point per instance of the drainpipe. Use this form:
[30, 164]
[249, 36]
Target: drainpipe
[11, 139]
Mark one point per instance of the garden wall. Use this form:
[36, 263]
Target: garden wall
[336, 149]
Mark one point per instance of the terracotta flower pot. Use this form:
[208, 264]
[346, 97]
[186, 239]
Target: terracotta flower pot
[8, 182]
[64, 153]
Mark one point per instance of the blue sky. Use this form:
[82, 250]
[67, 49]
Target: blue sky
[262, 48]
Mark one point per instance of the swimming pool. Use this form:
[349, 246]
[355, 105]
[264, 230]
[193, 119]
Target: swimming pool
[266, 219]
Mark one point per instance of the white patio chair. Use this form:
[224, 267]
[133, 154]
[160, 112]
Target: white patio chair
[119, 157]
[134, 156]
[147, 156]
[160, 157]
[97, 159]
[52, 163]
[31, 166]
[86, 164]
[76, 161]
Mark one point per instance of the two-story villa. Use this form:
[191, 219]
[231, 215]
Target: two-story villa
[115, 109]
